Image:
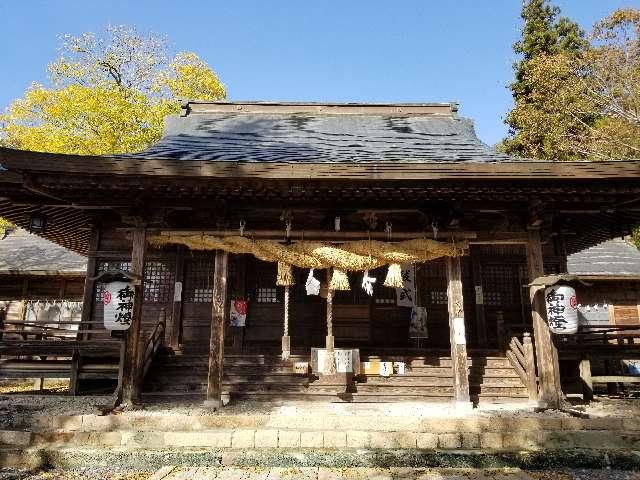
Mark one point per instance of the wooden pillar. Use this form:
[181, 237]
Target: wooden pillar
[546, 352]
[585, 378]
[89, 285]
[132, 375]
[457, 335]
[216, 339]
[176, 311]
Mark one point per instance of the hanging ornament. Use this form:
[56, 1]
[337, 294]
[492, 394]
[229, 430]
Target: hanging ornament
[243, 224]
[367, 283]
[286, 340]
[434, 226]
[285, 275]
[339, 280]
[387, 228]
[336, 224]
[313, 284]
[394, 276]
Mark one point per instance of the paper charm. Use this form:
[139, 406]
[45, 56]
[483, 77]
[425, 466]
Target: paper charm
[367, 283]
[313, 284]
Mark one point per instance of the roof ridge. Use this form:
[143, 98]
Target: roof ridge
[190, 107]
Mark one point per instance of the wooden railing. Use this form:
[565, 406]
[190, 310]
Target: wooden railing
[606, 344]
[156, 340]
[601, 337]
[522, 358]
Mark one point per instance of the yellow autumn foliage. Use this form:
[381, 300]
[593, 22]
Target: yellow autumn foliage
[108, 95]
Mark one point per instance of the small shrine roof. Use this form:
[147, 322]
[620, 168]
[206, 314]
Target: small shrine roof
[616, 258]
[22, 253]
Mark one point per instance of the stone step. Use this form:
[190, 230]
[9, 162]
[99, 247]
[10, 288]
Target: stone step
[367, 418]
[459, 434]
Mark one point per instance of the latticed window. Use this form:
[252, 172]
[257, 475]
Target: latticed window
[198, 280]
[158, 282]
[263, 288]
[433, 283]
[437, 297]
[105, 265]
[267, 295]
[499, 285]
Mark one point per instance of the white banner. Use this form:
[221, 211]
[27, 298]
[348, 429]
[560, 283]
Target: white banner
[118, 305]
[406, 296]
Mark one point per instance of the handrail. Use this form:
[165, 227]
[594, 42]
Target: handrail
[522, 358]
[156, 340]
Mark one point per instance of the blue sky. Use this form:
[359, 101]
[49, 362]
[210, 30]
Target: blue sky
[329, 50]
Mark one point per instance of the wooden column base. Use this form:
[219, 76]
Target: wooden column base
[286, 347]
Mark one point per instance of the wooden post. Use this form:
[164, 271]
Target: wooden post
[75, 371]
[176, 311]
[216, 339]
[459, 362]
[88, 297]
[546, 352]
[530, 366]
[585, 378]
[132, 375]
[89, 285]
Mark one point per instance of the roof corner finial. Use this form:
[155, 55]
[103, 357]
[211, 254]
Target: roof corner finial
[455, 106]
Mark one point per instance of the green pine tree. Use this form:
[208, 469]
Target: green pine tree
[544, 33]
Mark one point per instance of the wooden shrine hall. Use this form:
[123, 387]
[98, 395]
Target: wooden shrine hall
[350, 252]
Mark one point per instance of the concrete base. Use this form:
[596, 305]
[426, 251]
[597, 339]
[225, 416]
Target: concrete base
[213, 404]
[462, 407]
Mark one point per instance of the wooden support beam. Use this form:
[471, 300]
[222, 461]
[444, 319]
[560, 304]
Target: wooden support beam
[176, 310]
[216, 339]
[75, 371]
[89, 285]
[457, 335]
[530, 366]
[546, 352]
[132, 374]
[325, 234]
[585, 378]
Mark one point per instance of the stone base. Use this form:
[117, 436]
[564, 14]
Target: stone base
[213, 404]
[463, 407]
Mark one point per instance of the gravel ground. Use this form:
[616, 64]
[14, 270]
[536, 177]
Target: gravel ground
[58, 404]
[322, 474]
[18, 397]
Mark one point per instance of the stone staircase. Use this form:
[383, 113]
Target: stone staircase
[266, 377]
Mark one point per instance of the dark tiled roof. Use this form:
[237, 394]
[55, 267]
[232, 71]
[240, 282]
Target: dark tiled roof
[615, 258]
[22, 252]
[320, 137]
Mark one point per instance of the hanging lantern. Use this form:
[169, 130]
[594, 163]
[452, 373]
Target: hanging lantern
[394, 276]
[562, 309]
[339, 280]
[285, 275]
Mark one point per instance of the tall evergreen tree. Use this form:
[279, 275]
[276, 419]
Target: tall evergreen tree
[544, 33]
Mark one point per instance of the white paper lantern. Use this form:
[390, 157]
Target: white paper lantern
[118, 305]
[562, 309]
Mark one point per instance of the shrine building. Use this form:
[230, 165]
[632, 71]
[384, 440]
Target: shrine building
[347, 252]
